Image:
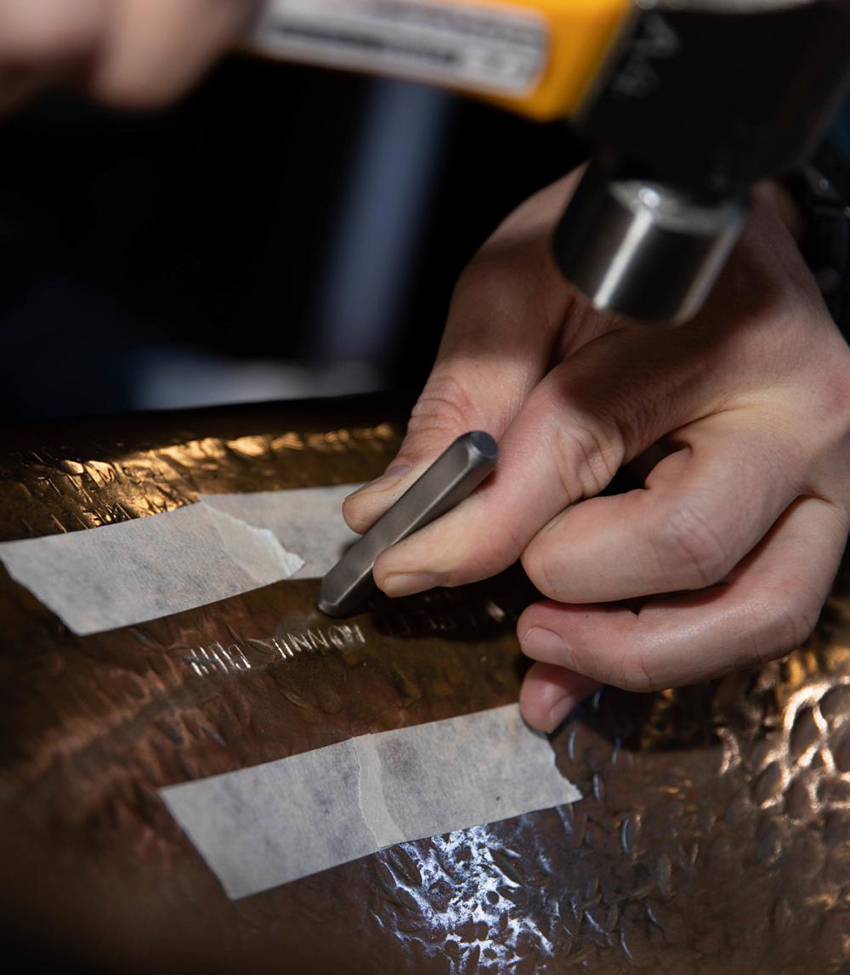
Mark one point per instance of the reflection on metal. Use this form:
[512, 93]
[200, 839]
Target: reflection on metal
[714, 835]
[55, 488]
[481, 902]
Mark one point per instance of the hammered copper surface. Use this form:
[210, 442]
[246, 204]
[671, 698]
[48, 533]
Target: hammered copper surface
[714, 835]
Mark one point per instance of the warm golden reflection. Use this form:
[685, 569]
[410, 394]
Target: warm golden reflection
[66, 489]
[713, 833]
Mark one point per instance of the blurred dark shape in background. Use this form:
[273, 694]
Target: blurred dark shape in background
[283, 232]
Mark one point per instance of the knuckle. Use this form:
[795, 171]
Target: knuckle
[691, 553]
[589, 455]
[443, 411]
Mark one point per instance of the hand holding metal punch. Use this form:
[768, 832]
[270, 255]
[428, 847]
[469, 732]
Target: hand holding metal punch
[453, 476]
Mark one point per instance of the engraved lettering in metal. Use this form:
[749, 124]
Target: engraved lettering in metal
[215, 658]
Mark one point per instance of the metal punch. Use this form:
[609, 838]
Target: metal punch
[453, 476]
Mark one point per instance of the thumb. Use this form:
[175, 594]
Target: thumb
[505, 316]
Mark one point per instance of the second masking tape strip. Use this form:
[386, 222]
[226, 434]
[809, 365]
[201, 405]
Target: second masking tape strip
[270, 824]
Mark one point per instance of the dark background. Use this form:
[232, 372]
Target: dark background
[283, 231]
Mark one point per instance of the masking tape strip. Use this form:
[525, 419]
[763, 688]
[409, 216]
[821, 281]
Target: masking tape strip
[119, 575]
[304, 520]
[267, 825]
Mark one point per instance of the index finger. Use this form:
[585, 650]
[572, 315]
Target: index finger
[153, 50]
[505, 317]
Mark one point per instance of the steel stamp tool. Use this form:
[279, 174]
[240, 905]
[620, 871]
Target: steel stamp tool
[453, 476]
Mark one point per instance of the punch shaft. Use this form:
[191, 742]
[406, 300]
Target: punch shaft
[453, 476]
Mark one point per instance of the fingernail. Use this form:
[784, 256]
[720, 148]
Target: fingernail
[406, 583]
[546, 646]
[392, 474]
[559, 710]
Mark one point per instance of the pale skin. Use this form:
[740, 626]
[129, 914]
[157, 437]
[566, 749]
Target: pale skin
[732, 543]
[738, 422]
[128, 53]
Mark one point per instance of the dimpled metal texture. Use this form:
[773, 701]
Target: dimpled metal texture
[713, 836]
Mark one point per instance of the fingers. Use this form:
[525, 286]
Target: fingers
[137, 53]
[506, 314]
[549, 693]
[603, 406]
[769, 605]
[41, 33]
[499, 338]
[703, 509]
[154, 50]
